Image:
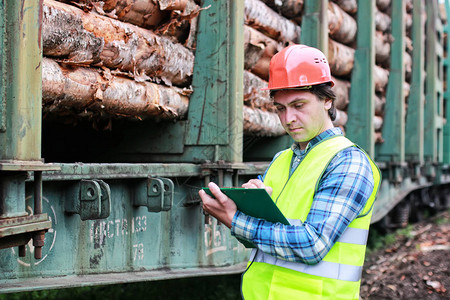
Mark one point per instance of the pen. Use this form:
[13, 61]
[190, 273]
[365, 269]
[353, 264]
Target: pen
[260, 178]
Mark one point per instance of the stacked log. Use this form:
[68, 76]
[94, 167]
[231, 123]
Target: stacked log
[97, 91]
[266, 32]
[341, 50]
[340, 58]
[263, 18]
[98, 65]
[174, 18]
[382, 48]
[382, 21]
[255, 44]
[254, 95]
[342, 27]
[342, 90]
[383, 42]
[258, 122]
[91, 39]
[291, 9]
[341, 118]
[384, 5]
[407, 59]
[379, 105]
[135, 58]
[349, 6]
[381, 78]
[259, 49]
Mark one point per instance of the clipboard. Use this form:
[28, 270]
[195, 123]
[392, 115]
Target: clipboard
[256, 203]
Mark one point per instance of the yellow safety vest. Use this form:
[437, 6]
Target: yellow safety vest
[338, 275]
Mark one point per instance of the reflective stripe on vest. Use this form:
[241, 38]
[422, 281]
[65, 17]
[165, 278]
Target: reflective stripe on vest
[351, 235]
[323, 269]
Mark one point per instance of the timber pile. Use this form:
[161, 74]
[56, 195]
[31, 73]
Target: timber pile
[264, 20]
[89, 90]
[98, 64]
[383, 41]
[134, 59]
[266, 32]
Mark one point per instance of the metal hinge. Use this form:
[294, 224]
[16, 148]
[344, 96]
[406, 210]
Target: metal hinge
[91, 200]
[158, 196]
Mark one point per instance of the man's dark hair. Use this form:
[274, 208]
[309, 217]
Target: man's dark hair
[323, 91]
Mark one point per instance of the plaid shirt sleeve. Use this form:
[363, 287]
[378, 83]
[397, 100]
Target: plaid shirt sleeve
[343, 191]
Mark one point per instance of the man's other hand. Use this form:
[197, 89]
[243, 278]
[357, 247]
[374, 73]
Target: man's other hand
[257, 184]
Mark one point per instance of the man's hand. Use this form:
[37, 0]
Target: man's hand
[222, 207]
[257, 184]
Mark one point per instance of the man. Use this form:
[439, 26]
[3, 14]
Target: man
[324, 185]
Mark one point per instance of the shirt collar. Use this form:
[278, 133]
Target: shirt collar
[326, 134]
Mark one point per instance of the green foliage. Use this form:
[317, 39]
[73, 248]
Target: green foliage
[226, 287]
[442, 218]
[378, 239]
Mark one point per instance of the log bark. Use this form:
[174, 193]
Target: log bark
[380, 102]
[78, 90]
[341, 26]
[378, 138]
[341, 118]
[383, 5]
[408, 23]
[341, 58]
[407, 60]
[182, 25]
[342, 90]
[383, 48]
[254, 96]
[349, 6]
[382, 21]
[406, 90]
[261, 123]
[263, 18]
[409, 45]
[81, 38]
[380, 77]
[291, 9]
[409, 6]
[261, 68]
[143, 13]
[377, 123]
[256, 46]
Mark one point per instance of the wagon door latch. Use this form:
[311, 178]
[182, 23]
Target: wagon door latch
[91, 200]
[156, 194]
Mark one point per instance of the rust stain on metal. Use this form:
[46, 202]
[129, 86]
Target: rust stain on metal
[21, 220]
[21, 10]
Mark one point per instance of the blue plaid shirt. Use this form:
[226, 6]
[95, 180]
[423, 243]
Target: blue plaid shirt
[343, 190]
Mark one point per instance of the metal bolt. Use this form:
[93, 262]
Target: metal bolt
[38, 243]
[22, 251]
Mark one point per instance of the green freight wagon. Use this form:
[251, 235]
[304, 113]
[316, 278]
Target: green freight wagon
[113, 114]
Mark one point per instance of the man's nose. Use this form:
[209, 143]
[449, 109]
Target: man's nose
[290, 115]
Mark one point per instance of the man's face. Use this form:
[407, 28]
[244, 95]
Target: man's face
[302, 114]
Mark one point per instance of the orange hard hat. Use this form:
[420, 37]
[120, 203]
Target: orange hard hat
[298, 66]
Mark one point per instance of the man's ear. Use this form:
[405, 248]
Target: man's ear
[328, 103]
